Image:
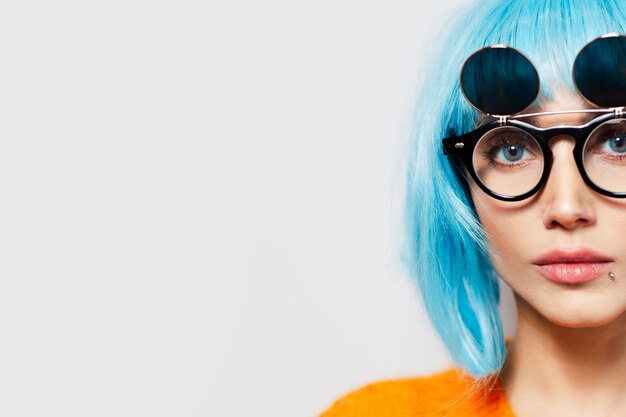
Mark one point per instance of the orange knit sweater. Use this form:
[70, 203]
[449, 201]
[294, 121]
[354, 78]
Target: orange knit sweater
[449, 394]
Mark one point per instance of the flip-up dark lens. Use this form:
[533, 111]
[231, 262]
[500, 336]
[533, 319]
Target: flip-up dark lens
[600, 71]
[499, 80]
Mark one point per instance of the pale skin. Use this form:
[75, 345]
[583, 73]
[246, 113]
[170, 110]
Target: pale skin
[568, 357]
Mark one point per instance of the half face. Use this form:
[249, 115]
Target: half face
[557, 249]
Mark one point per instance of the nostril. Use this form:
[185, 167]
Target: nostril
[571, 223]
[567, 210]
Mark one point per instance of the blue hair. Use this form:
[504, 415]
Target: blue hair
[445, 249]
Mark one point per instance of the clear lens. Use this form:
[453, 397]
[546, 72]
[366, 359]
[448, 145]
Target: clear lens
[604, 156]
[509, 161]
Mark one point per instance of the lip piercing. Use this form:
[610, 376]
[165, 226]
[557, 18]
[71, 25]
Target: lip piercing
[612, 275]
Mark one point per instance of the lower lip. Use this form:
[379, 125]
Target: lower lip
[574, 273]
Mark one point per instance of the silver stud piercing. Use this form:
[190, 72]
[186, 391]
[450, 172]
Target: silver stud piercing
[612, 275]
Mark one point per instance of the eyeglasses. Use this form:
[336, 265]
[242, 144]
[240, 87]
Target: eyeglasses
[510, 159]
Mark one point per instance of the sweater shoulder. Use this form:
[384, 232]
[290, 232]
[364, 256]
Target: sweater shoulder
[433, 395]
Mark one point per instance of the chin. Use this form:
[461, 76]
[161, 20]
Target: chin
[595, 305]
[583, 313]
[582, 322]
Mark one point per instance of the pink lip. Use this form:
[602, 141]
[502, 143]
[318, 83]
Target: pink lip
[573, 266]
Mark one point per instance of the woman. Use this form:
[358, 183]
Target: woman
[528, 184]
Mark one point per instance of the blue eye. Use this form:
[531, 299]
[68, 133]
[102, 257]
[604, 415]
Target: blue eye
[511, 153]
[617, 144]
[508, 147]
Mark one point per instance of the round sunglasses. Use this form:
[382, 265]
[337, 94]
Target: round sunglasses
[510, 159]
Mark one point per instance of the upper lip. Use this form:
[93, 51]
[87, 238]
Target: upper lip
[579, 255]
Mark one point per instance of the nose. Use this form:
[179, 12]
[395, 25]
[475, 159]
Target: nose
[568, 202]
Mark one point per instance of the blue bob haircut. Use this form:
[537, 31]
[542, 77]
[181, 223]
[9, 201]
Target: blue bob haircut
[444, 247]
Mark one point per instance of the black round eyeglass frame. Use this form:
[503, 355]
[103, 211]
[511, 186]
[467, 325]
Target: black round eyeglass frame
[463, 147]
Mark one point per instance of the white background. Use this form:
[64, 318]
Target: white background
[199, 205]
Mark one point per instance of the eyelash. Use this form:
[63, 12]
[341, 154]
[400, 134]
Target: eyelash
[489, 153]
[611, 156]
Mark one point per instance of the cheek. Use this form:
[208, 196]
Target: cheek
[508, 227]
[509, 230]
